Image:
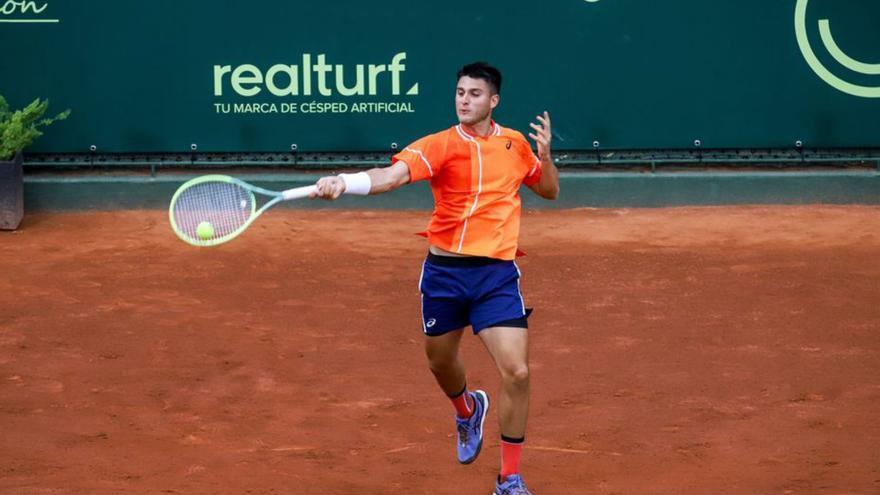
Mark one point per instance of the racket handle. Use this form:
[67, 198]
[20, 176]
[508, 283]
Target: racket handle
[297, 192]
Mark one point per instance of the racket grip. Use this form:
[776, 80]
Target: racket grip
[297, 192]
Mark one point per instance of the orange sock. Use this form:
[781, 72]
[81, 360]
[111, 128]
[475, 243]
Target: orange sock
[464, 404]
[511, 448]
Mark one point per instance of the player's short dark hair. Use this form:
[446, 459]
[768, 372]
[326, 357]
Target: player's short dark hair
[484, 71]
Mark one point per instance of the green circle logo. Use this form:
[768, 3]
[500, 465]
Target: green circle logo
[800, 28]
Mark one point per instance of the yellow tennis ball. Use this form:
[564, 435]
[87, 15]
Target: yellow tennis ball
[205, 230]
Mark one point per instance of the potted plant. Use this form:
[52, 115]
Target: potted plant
[18, 130]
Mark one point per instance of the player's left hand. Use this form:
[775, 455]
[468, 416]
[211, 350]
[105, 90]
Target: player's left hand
[329, 188]
[542, 135]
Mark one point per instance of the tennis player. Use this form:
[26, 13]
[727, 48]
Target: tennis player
[470, 277]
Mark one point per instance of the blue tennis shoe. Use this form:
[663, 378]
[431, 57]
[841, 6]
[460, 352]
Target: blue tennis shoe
[512, 485]
[470, 431]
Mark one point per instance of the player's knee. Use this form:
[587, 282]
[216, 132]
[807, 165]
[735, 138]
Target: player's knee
[516, 375]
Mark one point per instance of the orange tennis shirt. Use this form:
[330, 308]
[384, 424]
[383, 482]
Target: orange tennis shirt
[475, 181]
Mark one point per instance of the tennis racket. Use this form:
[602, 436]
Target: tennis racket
[213, 209]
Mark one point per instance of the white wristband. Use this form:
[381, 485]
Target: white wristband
[358, 183]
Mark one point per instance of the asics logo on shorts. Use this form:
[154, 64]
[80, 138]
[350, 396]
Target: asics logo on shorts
[430, 323]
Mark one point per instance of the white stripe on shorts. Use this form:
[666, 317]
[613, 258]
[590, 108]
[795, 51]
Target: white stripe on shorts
[519, 276]
[421, 275]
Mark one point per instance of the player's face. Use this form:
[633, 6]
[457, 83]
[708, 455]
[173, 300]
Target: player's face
[474, 100]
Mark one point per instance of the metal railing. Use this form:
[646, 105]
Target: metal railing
[596, 159]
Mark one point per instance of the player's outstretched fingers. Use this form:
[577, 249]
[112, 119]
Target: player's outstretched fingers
[545, 120]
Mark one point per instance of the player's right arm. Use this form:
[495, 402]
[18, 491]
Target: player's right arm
[421, 160]
[382, 180]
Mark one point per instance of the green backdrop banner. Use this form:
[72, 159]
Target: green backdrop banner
[347, 75]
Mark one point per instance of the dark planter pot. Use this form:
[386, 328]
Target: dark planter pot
[11, 193]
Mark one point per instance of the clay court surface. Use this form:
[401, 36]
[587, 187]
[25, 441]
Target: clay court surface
[730, 350]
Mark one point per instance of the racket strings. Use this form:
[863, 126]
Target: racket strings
[227, 207]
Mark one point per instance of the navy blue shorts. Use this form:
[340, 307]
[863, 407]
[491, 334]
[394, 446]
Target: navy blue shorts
[475, 291]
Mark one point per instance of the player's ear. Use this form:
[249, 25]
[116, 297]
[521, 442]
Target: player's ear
[496, 98]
